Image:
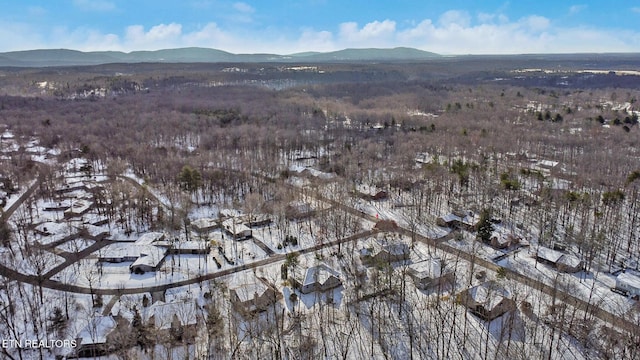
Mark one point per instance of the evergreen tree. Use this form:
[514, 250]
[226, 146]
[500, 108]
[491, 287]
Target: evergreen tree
[139, 330]
[485, 227]
[58, 321]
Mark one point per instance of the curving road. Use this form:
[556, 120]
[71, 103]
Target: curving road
[45, 281]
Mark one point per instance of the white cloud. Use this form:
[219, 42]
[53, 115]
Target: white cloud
[163, 35]
[576, 9]
[244, 7]
[454, 18]
[370, 34]
[454, 32]
[636, 10]
[315, 41]
[94, 5]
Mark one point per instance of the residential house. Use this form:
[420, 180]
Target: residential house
[560, 261]
[119, 252]
[299, 210]
[191, 247]
[175, 320]
[144, 258]
[367, 192]
[501, 240]
[319, 278]
[150, 238]
[250, 294]
[237, 229]
[96, 339]
[465, 220]
[488, 300]
[150, 259]
[381, 253]
[204, 225]
[78, 208]
[429, 273]
[628, 284]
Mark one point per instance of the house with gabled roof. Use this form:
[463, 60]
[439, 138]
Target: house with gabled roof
[429, 273]
[368, 192]
[176, 319]
[562, 262]
[488, 300]
[250, 294]
[319, 278]
[237, 229]
[78, 208]
[95, 338]
[144, 258]
[150, 238]
[203, 225]
[150, 259]
[377, 252]
[465, 220]
[628, 284]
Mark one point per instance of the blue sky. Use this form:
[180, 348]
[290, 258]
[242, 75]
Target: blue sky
[280, 26]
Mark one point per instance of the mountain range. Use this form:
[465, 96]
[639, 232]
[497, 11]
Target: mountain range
[65, 57]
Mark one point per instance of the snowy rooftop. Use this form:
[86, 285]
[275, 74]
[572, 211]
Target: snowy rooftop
[149, 238]
[190, 245]
[234, 226]
[150, 256]
[549, 254]
[248, 292]
[319, 274]
[97, 330]
[246, 285]
[128, 250]
[629, 279]
[204, 223]
[489, 294]
[164, 313]
[427, 269]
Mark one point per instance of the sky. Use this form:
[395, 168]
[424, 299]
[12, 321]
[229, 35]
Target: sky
[291, 26]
